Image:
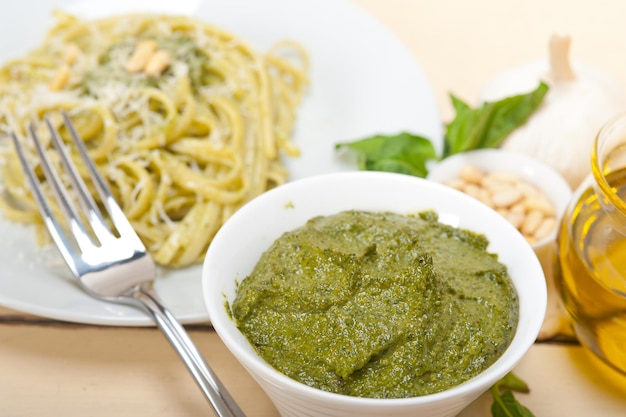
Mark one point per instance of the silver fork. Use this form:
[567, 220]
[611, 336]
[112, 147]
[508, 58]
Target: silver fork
[115, 266]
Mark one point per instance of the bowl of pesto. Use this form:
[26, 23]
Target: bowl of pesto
[369, 293]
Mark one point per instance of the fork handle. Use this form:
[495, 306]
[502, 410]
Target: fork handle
[219, 397]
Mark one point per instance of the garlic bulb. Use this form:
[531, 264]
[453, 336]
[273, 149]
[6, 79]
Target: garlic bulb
[561, 132]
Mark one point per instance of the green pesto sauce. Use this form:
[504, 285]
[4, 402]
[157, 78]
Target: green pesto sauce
[111, 66]
[378, 305]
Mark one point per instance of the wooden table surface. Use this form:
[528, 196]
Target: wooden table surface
[51, 368]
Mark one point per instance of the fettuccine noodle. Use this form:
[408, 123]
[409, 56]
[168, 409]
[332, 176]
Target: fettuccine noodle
[184, 135]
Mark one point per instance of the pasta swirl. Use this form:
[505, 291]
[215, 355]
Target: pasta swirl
[185, 121]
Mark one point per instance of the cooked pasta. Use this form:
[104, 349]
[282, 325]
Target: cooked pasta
[185, 121]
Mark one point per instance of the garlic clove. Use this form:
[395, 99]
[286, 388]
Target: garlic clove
[561, 132]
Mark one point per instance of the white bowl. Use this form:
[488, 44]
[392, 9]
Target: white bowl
[251, 230]
[549, 182]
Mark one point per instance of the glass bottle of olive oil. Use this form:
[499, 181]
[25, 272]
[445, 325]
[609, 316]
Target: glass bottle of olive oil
[592, 251]
[592, 255]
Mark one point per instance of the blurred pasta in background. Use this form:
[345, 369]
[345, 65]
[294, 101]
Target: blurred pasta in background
[185, 121]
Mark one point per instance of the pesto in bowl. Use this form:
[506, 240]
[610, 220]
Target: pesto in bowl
[378, 304]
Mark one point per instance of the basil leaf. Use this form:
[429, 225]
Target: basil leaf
[512, 112]
[505, 405]
[488, 125]
[512, 382]
[403, 153]
[467, 129]
[484, 127]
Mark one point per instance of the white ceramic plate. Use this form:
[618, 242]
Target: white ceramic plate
[363, 82]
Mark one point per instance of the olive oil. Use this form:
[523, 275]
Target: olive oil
[592, 276]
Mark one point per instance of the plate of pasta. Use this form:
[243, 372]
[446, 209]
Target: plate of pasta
[189, 109]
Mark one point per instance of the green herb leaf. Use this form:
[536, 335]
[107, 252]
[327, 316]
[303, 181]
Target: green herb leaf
[514, 383]
[483, 127]
[402, 153]
[504, 403]
[488, 125]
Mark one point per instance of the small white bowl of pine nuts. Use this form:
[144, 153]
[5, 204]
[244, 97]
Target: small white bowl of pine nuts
[527, 192]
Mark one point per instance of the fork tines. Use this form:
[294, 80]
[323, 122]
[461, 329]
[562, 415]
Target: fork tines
[87, 226]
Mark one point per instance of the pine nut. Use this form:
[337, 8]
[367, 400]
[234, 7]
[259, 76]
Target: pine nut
[545, 228]
[472, 190]
[527, 189]
[502, 212]
[516, 219]
[458, 184]
[471, 174]
[494, 185]
[485, 197]
[506, 198]
[531, 223]
[141, 55]
[70, 55]
[539, 203]
[157, 63]
[519, 208]
[60, 79]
